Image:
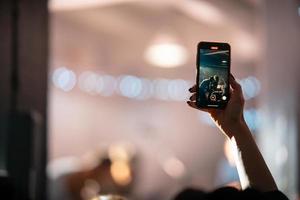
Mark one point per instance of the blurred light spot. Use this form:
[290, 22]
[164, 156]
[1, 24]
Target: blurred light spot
[64, 79]
[178, 90]
[110, 197]
[59, 5]
[121, 172]
[250, 116]
[118, 152]
[88, 82]
[228, 151]
[130, 86]
[248, 49]
[147, 89]
[90, 189]
[203, 11]
[206, 119]
[61, 166]
[174, 167]
[103, 198]
[251, 87]
[3, 173]
[161, 89]
[281, 155]
[166, 55]
[100, 85]
[109, 85]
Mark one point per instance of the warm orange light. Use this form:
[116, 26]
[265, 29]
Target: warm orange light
[121, 172]
[214, 48]
[118, 152]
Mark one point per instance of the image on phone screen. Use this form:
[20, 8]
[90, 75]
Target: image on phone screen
[213, 77]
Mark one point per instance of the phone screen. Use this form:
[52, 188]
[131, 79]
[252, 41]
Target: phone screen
[213, 74]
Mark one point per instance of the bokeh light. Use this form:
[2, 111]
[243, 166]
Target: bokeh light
[64, 79]
[251, 87]
[130, 86]
[121, 173]
[88, 81]
[178, 90]
[166, 55]
[161, 89]
[174, 167]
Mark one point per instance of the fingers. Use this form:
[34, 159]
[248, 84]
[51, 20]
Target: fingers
[192, 104]
[193, 89]
[234, 84]
[193, 97]
[236, 91]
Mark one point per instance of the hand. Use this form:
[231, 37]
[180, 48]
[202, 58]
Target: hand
[232, 116]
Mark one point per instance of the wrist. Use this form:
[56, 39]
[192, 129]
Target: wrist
[237, 129]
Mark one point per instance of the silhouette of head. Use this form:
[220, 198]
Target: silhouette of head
[216, 78]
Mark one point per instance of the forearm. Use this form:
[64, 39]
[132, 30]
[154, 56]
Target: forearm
[252, 169]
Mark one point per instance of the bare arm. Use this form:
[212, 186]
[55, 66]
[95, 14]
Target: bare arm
[252, 169]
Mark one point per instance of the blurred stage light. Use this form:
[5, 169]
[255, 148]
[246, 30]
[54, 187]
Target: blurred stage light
[127, 85]
[118, 152]
[202, 11]
[61, 166]
[130, 86]
[178, 90]
[121, 173]
[166, 55]
[147, 89]
[109, 197]
[90, 189]
[252, 117]
[67, 5]
[161, 89]
[100, 84]
[93, 83]
[174, 167]
[251, 87]
[246, 45]
[64, 79]
[109, 85]
[88, 82]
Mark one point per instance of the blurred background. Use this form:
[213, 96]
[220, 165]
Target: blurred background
[105, 84]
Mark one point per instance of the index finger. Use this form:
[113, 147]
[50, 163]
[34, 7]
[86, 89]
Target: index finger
[193, 89]
[233, 83]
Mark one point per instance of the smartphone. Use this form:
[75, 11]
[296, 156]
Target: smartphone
[213, 70]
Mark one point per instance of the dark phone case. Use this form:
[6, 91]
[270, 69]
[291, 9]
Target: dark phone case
[207, 45]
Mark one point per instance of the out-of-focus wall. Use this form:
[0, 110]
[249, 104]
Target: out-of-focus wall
[279, 101]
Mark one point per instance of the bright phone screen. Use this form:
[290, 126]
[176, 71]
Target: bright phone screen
[213, 77]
